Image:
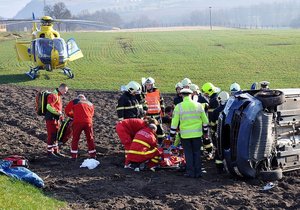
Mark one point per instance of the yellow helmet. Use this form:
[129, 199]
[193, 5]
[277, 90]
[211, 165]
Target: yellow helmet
[209, 89]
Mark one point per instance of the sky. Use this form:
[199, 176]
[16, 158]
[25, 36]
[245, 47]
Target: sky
[9, 8]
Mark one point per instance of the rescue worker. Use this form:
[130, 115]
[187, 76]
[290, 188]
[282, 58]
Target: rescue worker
[264, 85]
[178, 97]
[234, 88]
[144, 149]
[82, 112]
[128, 105]
[192, 121]
[127, 128]
[210, 92]
[156, 106]
[186, 82]
[223, 97]
[52, 117]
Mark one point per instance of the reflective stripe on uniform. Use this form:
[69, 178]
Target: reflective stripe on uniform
[208, 146]
[218, 161]
[128, 107]
[153, 160]
[190, 131]
[92, 151]
[142, 153]
[141, 142]
[74, 151]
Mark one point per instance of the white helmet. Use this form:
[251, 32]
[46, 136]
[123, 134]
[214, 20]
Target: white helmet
[133, 87]
[223, 96]
[195, 88]
[234, 87]
[186, 82]
[150, 80]
[178, 85]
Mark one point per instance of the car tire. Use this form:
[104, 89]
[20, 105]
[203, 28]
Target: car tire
[272, 175]
[270, 98]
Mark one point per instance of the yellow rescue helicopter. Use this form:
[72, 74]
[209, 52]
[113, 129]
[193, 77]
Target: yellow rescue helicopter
[47, 50]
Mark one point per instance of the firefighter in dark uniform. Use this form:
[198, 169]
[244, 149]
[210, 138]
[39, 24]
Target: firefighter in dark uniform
[156, 106]
[178, 98]
[210, 92]
[223, 97]
[52, 117]
[128, 105]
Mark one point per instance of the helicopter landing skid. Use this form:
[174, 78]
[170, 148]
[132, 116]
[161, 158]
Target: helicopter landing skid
[33, 72]
[68, 72]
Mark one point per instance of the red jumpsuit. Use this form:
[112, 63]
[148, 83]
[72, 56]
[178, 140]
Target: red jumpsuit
[82, 112]
[52, 119]
[144, 148]
[126, 130]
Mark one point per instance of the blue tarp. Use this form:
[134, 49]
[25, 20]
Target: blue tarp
[20, 173]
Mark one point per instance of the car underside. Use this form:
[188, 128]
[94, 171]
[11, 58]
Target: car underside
[259, 133]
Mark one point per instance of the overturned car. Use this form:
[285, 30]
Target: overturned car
[259, 133]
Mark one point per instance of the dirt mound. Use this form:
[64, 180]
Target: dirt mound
[112, 187]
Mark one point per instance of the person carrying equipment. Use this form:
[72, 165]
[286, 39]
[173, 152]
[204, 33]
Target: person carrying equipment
[128, 105]
[211, 92]
[82, 112]
[223, 97]
[192, 121]
[52, 117]
[144, 149]
[127, 129]
[156, 106]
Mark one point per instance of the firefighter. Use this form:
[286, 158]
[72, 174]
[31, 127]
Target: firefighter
[144, 149]
[82, 112]
[52, 117]
[210, 92]
[156, 106]
[223, 97]
[128, 105]
[234, 88]
[192, 121]
[186, 82]
[127, 128]
[178, 97]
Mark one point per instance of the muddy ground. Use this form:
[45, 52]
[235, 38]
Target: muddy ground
[110, 186]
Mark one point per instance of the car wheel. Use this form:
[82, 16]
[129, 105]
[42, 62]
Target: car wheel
[270, 98]
[271, 175]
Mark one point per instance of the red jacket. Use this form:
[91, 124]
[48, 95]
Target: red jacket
[143, 146]
[82, 111]
[132, 126]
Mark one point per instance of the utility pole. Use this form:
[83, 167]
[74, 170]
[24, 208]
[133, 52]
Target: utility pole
[210, 18]
[44, 7]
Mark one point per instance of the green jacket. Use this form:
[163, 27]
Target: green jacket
[190, 117]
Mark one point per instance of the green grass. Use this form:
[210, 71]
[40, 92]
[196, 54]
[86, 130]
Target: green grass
[20, 195]
[220, 57]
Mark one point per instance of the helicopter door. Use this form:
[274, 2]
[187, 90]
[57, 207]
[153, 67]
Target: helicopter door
[22, 51]
[74, 52]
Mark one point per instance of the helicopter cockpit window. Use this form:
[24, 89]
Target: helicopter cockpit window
[44, 48]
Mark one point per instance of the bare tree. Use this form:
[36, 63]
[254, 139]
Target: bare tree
[58, 11]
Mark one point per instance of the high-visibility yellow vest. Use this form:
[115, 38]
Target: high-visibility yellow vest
[190, 116]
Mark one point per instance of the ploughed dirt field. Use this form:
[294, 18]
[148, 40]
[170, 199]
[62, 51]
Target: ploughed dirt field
[110, 186]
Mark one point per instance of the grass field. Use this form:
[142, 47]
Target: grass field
[220, 57]
[19, 195]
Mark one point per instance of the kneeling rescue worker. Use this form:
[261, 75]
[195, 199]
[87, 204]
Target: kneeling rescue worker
[144, 149]
[127, 129]
[82, 112]
[52, 116]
